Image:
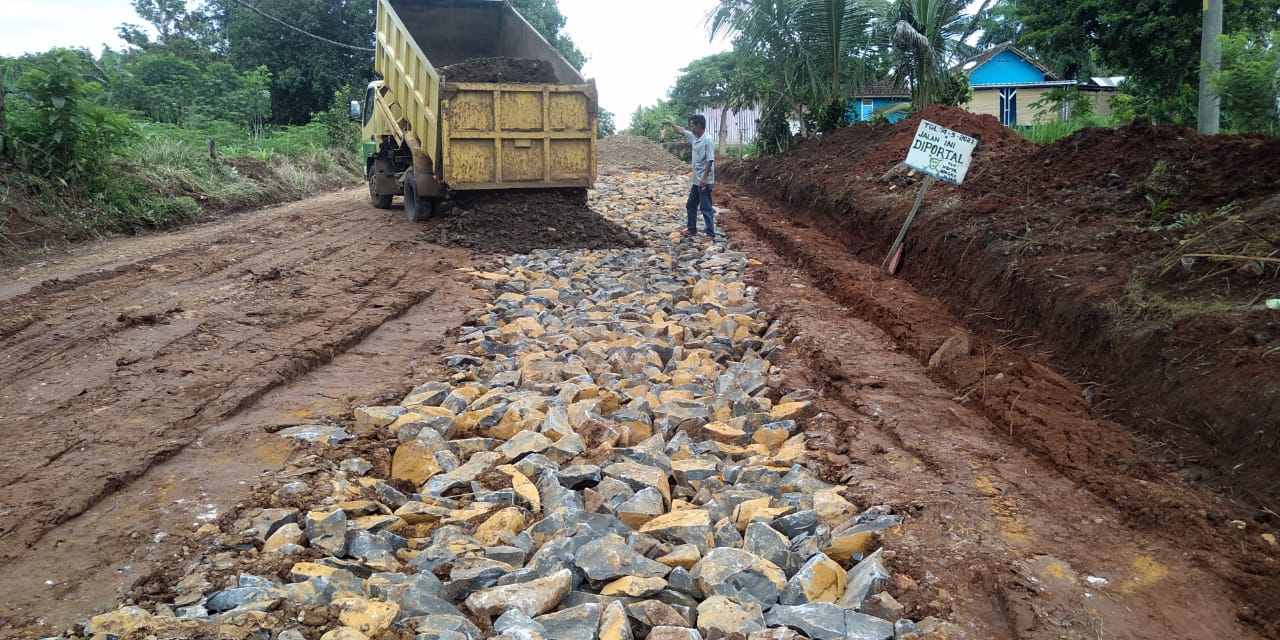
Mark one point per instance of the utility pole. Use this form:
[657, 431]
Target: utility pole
[1210, 63]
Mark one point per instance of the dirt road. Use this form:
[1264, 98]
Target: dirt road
[143, 381]
[142, 378]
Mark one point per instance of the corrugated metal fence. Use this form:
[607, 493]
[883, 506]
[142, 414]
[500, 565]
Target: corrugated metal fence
[742, 125]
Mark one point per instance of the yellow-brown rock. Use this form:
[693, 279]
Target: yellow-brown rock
[633, 587]
[370, 617]
[414, 462]
[501, 527]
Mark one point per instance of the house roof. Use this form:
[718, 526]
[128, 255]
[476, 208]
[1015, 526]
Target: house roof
[986, 56]
[1106, 81]
[882, 88]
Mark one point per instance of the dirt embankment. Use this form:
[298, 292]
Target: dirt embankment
[1053, 258]
[1136, 260]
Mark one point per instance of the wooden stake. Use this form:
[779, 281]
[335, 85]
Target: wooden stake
[897, 243]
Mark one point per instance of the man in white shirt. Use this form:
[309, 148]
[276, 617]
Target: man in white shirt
[704, 174]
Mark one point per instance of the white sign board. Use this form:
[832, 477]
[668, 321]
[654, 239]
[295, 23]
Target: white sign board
[941, 152]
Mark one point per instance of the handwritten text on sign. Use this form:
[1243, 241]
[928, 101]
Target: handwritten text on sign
[941, 152]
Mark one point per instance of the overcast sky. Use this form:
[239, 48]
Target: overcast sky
[635, 48]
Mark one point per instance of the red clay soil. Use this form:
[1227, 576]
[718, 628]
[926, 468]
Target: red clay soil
[1076, 250]
[1052, 258]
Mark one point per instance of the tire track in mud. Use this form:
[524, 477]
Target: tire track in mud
[111, 372]
[1015, 493]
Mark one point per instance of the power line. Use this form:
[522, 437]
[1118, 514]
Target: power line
[305, 33]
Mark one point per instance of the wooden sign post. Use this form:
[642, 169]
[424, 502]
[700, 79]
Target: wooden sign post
[940, 154]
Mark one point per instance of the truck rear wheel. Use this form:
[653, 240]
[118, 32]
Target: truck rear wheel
[378, 200]
[413, 210]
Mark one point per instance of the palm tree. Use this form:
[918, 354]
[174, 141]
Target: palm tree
[926, 37]
[816, 45]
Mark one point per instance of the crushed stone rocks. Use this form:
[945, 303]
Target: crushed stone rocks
[611, 457]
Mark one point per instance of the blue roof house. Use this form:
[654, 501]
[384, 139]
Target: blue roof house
[876, 96]
[1006, 80]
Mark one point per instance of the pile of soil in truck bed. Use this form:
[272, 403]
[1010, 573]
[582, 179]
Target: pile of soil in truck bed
[514, 70]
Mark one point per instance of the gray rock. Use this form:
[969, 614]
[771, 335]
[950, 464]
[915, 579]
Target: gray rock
[250, 607]
[739, 574]
[566, 448]
[443, 627]
[229, 599]
[389, 495]
[644, 506]
[680, 580]
[818, 620]
[430, 394]
[768, 543]
[860, 626]
[462, 476]
[865, 578]
[327, 530]
[575, 623]
[421, 596]
[580, 476]
[516, 624]
[322, 433]
[533, 597]
[554, 495]
[819, 580]
[610, 558]
[356, 466]
[513, 556]
[373, 550]
[264, 524]
[726, 535]
[525, 574]
[797, 524]
[293, 490]
[775, 633]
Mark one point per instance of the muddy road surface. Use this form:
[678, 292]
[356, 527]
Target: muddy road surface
[143, 382]
[142, 378]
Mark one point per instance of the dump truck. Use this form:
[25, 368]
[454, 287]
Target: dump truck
[426, 135]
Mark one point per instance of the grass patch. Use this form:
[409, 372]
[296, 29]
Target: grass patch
[1050, 131]
[1139, 306]
[166, 178]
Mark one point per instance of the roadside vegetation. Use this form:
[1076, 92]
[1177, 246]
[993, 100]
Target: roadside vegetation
[206, 111]
[803, 62]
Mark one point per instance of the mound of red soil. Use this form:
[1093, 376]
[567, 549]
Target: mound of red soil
[1137, 259]
[517, 70]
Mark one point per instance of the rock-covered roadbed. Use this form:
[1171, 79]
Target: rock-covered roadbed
[612, 457]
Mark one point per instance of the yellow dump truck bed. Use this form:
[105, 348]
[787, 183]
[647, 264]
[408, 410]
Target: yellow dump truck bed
[479, 135]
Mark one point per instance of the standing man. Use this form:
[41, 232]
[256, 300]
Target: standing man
[704, 174]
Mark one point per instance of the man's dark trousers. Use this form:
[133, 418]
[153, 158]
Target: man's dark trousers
[700, 200]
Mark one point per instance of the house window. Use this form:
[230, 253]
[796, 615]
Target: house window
[867, 109]
[1008, 107]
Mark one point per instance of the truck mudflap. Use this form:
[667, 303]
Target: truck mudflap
[506, 136]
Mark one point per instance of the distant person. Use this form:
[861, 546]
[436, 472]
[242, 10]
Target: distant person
[704, 174]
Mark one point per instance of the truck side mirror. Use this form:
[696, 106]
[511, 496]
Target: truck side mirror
[355, 110]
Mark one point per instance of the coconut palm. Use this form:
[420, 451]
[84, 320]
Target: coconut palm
[816, 45]
[926, 37]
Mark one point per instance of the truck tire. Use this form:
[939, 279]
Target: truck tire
[415, 208]
[379, 201]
